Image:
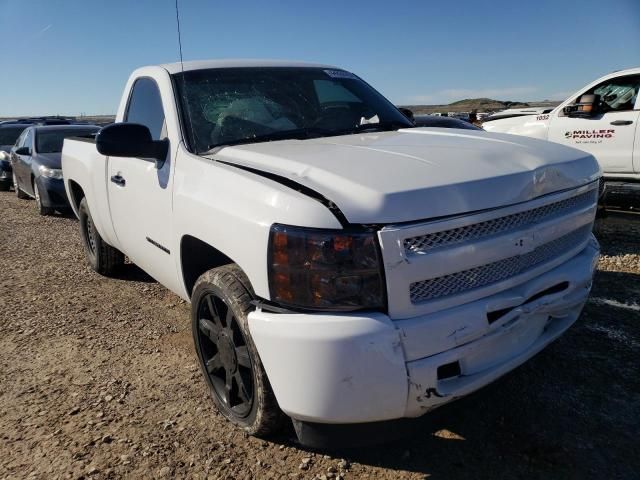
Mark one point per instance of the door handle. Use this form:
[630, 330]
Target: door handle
[118, 180]
[621, 122]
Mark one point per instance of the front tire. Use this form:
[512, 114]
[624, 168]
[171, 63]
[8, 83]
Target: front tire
[42, 210]
[228, 358]
[102, 257]
[16, 186]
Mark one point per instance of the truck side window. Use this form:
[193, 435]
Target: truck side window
[145, 106]
[617, 94]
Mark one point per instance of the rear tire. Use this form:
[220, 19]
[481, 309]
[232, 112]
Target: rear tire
[19, 193]
[42, 210]
[4, 187]
[102, 257]
[228, 358]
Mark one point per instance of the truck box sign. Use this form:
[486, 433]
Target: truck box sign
[588, 134]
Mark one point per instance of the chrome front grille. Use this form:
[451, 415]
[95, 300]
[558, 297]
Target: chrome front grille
[484, 275]
[426, 243]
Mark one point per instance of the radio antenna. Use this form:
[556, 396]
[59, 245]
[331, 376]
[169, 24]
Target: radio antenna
[179, 36]
[184, 82]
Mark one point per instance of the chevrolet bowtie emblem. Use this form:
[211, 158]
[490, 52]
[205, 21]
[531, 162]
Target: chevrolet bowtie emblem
[526, 242]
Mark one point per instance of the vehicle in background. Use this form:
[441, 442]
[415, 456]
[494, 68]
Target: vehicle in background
[516, 112]
[37, 168]
[50, 120]
[442, 122]
[602, 119]
[343, 266]
[9, 133]
[437, 121]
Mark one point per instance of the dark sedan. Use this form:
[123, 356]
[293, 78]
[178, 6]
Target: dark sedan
[37, 167]
[9, 133]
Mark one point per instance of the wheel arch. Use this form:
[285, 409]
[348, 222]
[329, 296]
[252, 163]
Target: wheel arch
[197, 257]
[77, 194]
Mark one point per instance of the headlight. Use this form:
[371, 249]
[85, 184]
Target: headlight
[4, 155]
[50, 172]
[325, 269]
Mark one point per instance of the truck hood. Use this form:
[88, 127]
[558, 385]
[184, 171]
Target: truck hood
[420, 173]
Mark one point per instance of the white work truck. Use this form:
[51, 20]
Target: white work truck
[344, 268]
[600, 118]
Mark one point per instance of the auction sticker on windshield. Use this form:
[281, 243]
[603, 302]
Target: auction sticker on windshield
[340, 74]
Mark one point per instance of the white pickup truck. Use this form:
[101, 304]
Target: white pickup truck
[601, 118]
[344, 268]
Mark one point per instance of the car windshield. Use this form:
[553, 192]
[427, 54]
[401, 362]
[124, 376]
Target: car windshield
[9, 135]
[50, 141]
[228, 106]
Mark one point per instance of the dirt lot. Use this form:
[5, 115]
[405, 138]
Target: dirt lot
[98, 380]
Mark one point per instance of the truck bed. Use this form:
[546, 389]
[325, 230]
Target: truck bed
[79, 160]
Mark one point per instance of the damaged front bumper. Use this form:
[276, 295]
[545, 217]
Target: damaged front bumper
[365, 367]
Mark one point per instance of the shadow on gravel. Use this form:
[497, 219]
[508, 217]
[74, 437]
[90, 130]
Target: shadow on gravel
[132, 273]
[618, 233]
[66, 214]
[497, 432]
[608, 285]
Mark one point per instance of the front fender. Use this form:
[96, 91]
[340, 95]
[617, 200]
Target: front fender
[233, 210]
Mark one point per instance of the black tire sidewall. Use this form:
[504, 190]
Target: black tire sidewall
[19, 193]
[201, 289]
[42, 210]
[83, 215]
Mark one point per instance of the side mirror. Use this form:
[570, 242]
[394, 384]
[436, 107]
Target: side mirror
[131, 140]
[407, 113]
[23, 151]
[585, 107]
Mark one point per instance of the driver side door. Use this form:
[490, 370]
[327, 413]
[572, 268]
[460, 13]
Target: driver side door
[140, 193]
[609, 134]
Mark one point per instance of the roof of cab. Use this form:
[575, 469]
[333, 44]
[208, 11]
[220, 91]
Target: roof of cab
[236, 63]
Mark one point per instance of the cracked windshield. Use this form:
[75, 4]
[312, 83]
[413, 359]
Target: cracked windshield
[247, 105]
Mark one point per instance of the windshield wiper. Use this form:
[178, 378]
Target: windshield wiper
[381, 126]
[297, 134]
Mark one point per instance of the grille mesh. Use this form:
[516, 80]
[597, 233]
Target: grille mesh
[481, 276]
[500, 225]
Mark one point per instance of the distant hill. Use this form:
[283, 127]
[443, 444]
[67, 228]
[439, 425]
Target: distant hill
[97, 119]
[479, 104]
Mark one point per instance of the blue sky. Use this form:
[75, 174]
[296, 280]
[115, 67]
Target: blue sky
[74, 56]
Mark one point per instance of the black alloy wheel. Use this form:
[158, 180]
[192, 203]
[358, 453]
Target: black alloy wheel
[225, 354]
[221, 302]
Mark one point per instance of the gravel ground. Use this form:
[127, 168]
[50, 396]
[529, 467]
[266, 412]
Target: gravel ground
[98, 380]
